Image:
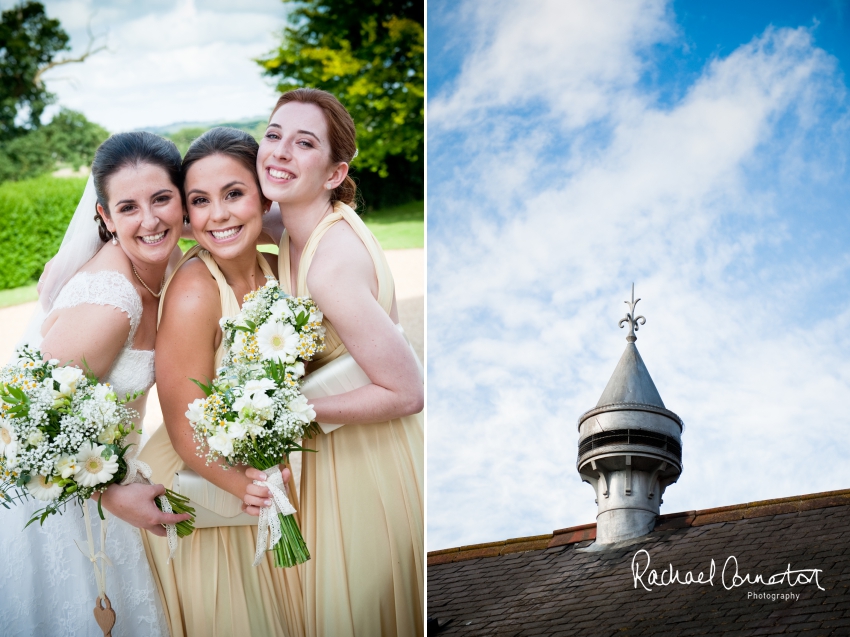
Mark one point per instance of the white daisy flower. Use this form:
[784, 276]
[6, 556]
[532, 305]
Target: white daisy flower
[42, 489]
[7, 436]
[93, 468]
[277, 341]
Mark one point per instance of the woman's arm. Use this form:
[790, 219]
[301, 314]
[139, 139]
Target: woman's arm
[188, 336]
[93, 335]
[343, 284]
[86, 334]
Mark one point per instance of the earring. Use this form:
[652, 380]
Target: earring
[329, 186]
[114, 239]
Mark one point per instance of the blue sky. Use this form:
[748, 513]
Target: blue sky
[167, 60]
[698, 149]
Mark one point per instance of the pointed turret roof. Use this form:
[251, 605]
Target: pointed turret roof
[630, 382]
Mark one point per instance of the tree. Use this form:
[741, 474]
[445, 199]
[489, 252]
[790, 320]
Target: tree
[29, 44]
[370, 54]
[68, 139]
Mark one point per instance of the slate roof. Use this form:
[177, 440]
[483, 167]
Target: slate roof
[549, 585]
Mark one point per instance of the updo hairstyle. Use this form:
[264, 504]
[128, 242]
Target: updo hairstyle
[131, 149]
[230, 142]
[342, 136]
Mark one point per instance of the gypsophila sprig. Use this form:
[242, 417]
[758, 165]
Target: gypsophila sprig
[254, 413]
[63, 435]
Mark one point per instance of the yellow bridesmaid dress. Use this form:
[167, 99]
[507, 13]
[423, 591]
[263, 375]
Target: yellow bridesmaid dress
[362, 496]
[211, 588]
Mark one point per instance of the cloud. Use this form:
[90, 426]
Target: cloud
[548, 196]
[167, 61]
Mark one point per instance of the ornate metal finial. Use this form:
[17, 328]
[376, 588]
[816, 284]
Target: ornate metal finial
[634, 321]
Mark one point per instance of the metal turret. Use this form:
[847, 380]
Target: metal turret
[630, 446]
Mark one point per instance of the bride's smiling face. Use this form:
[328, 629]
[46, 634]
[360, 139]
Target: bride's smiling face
[225, 206]
[294, 160]
[145, 212]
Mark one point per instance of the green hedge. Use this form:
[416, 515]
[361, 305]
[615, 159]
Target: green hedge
[34, 215]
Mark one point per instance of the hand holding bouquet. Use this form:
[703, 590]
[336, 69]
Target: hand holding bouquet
[254, 413]
[63, 437]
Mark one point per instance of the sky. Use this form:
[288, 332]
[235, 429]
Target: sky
[167, 61]
[699, 150]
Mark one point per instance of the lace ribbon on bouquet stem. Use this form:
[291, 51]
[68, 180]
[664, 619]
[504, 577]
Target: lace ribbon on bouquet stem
[140, 471]
[269, 520]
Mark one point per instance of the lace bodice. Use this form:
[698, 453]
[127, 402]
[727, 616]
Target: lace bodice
[133, 369]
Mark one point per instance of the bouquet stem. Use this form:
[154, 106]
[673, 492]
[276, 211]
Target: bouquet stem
[291, 549]
[179, 504]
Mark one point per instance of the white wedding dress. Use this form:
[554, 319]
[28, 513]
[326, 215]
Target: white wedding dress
[48, 585]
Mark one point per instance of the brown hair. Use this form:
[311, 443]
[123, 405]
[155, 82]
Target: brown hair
[230, 142]
[341, 133]
[131, 149]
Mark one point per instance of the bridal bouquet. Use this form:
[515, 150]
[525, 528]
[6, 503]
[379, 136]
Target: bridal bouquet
[63, 436]
[254, 413]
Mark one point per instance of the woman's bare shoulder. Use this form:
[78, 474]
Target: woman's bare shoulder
[192, 288]
[341, 251]
[109, 258]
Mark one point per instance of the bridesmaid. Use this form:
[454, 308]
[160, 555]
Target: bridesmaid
[362, 493]
[211, 587]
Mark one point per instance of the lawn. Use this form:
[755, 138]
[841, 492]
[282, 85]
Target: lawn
[397, 228]
[16, 296]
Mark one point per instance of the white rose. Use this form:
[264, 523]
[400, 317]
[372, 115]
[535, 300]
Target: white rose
[221, 442]
[262, 385]
[35, 438]
[104, 393]
[107, 436]
[66, 465]
[301, 409]
[67, 377]
[236, 431]
[280, 310]
[195, 413]
[239, 341]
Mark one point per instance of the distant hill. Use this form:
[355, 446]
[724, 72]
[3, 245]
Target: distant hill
[184, 133]
[168, 129]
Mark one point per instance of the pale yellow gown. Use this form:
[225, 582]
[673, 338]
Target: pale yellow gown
[362, 496]
[210, 588]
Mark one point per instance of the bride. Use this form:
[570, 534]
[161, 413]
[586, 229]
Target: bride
[99, 302]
